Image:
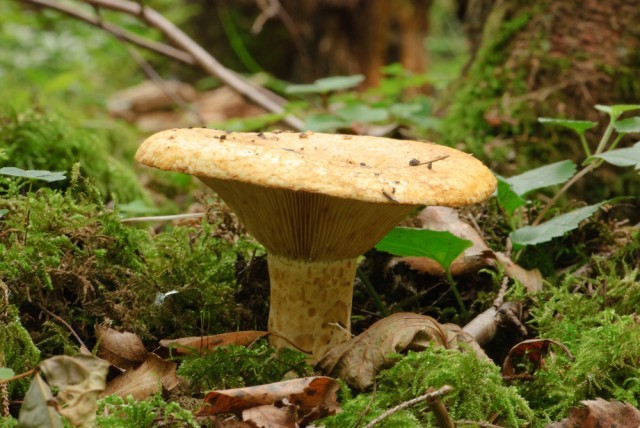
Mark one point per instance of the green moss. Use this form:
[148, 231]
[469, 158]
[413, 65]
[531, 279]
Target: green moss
[478, 392]
[18, 351]
[236, 366]
[66, 252]
[605, 343]
[36, 139]
[116, 412]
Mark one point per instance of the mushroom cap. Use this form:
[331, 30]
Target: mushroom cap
[370, 169]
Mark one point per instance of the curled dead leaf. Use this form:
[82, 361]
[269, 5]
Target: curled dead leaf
[529, 356]
[145, 380]
[360, 359]
[123, 350]
[313, 397]
[599, 413]
[474, 258]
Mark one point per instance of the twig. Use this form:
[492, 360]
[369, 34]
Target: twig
[439, 410]
[259, 95]
[153, 74]
[477, 424]
[19, 376]
[161, 48]
[161, 218]
[203, 59]
[429, 163]
[428, 396]
[83, 348]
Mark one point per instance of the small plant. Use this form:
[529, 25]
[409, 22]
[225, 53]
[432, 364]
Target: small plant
[512, 191]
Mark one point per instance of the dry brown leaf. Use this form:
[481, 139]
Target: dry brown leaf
[187, 345]
[359, 360]
[600, 413]
[145, 380]
[123, 350]
[474, 258]
[269, 416]
[311, 396]
[531, 352]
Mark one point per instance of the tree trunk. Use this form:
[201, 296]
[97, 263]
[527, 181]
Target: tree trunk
[534, 59]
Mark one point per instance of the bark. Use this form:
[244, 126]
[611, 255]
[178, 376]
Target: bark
[548, 58]
[318, 38]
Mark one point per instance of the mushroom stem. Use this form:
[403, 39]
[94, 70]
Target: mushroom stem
[310, 302]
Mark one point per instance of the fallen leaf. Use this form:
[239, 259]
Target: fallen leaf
[187, 345]
[600, 413]
[311, 395]
[269, 416]
[474, 258]
[79, 380]
[145, 380]
[123, 350]
[35, 411]
[360, 359]
[529, 353]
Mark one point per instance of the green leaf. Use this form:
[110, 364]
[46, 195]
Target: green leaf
[443, 247]
[253, 123]
[48, 176]
[507, 198]
[6, 373]
[629, 156]
[35, 411]
[557, 226]
[616, 110]
[3, 212]
[626, 126]
[323, 122]
[548, 175]
[327, 84]
[580, 126]
[359, 112]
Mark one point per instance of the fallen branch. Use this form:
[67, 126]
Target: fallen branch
[428, 396]
[188, 50]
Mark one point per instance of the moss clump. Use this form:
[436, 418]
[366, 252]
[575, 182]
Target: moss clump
[35, 139]
[236, 366]
[116, 412]
[478, 392]
[17, 351]
[605, 344]
[67, 253]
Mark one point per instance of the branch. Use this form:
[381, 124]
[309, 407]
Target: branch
[130, 37]
[189, 51]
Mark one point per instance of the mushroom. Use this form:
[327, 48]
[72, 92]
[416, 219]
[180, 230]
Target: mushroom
[316, 202]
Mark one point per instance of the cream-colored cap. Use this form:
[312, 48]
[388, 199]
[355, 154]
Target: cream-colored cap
[371, 169]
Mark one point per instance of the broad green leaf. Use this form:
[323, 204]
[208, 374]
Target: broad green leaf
[35, 411]
[580, 126]
[548, 175]
[337, 83]
[327, 84]
[443, 247]
[626, 126]
[507, 198]
[616, 110]
[3, 212]
[253, 123]
[557, 226]
[48, 176]
[358, 112]
[629, 156]
[323, 122]
[6, 373]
